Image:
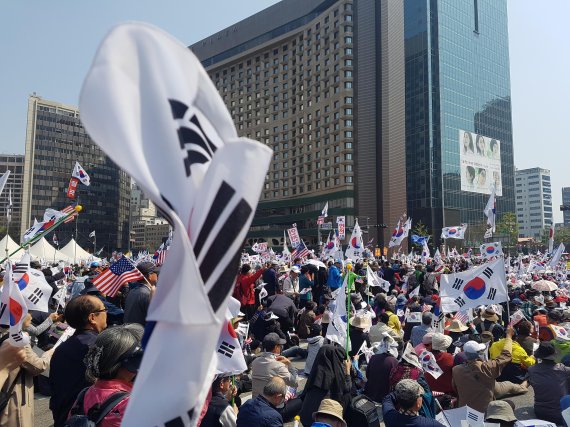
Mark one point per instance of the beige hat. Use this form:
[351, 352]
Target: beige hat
[360, 321]
[489, 314]
[456, 326]
[501, 411]
[330, 407]
[440, 342]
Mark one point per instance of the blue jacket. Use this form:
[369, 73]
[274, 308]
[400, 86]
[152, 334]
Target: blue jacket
[270, 277]
[259, 412]
[334, 280]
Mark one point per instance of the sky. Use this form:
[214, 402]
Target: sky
[47, 48]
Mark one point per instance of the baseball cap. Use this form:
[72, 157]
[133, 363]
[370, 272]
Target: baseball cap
[296, 269]
[473, 347]
[271, 340]
[147, 267]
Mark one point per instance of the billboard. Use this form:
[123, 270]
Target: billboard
[480, 163]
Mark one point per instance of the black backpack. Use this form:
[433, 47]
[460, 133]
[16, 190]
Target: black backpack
[96, 413]
[363, 412]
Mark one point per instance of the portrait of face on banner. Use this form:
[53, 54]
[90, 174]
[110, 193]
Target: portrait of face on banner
[480, 163]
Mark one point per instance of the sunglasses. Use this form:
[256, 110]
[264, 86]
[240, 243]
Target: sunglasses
[103, 310]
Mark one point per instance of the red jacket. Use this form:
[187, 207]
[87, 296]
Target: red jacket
[246, 283]
[100, 391]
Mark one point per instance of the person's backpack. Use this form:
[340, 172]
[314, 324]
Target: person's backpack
[363, 412]
[96, 413]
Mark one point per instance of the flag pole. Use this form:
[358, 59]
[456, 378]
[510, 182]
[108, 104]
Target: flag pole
[39, 236]
[347, 314]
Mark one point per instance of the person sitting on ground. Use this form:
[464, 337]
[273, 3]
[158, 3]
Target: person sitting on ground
[550, 381]
[440, 343]
[329, 377]
[271, 364]
[307, 319]
[261, 411]
[393, 320]
[221, 413]
[516, 370]
[524, 330]
[379, 368]
[401, 408]
[329, 414]
[490, 325]
[419, 331]
[112, 363]
[376, 331]
[358, 325]
[314, 342]
[284, 308]
[501, 412]
[88, 316]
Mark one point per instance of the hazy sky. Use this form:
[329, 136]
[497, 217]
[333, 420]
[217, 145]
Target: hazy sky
[47, 47]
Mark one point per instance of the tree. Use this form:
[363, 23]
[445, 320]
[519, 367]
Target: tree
[509, 227]
[420, 229]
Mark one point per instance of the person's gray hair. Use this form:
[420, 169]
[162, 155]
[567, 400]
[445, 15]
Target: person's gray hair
[275, 386]
[407, 392]
[104, 356]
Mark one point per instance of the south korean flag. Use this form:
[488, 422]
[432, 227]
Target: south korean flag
[491, 250]
[483, 285]
[33, 285]
[228, 351]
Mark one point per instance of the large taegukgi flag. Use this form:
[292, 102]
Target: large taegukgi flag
[152, 108]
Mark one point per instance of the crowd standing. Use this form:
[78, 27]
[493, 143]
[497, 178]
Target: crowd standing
[403, 361]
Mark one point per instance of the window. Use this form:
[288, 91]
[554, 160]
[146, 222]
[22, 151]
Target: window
[348, 179]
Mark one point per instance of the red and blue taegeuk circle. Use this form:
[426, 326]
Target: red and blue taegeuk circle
[475, 288]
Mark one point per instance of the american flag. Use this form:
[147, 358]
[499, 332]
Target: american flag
[300, 251]
[462, 316]
[160, 254]
[68, 210]
[120, 273]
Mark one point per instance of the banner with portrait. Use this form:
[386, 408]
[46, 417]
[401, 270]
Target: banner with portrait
[480, 162]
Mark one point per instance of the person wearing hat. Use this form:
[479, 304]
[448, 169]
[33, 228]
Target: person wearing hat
[402, 407]
[501, 412]
[455, 329]
[358, 325]
[334, 279]
[490, 324]
[549, 381]
[140, 293]
[271, 364]
[474, 381]
[439, 345]
[329, 414]
[221, 413]
[291, 284]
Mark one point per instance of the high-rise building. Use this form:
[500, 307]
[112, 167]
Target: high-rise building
[534, 201]
[566, 202]
[458, 111]
[55, 140]
[321, 82]
[15, 164]
[148, 228]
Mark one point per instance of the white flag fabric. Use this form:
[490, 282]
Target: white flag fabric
[32, 284]
[337, 327]
[488, 233]
[557, 255]
[149, 104]
[437, 256]
[355, 245]
[286, 254]
[13, 309]
[551, 239]
[376, 281]
[400, 232]
[490, 210]
[430, 365]
[4, 180]
[425, 252]
[482, 285]
[490, 250]
[457, 232]
[516, 317]
[80, 174]
[325, 211]
[9, 207]
[230, 358]
[51, 217]
[92, 234]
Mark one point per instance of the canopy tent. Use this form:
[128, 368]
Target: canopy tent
[43, 250]
[12, 246]
[76, 253]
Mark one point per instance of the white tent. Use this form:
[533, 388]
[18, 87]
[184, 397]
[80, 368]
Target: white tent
[43, 250]
[12, 246]
[76, 253]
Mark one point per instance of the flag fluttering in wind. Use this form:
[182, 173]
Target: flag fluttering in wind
[13, 309]
[51, 217]
[4, 180]
[300, 251]
[80, 174]
[557, 255]
[400, 232]
[490, 250]
[355, 244]
[286, 254]
[551, 239]
[121, 272]
[9, 207]
[148, 94]
[482, 285]
[490, 210]
[92, 234]
[457, 232]
[419, 240]
[376, 281]
[337, 330]
[32, 284]
[325, 211]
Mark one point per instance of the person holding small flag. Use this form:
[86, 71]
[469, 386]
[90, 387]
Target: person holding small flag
[244, 290]
[222, 412]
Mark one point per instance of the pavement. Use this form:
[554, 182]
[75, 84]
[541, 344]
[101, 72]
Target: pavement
[523, 403]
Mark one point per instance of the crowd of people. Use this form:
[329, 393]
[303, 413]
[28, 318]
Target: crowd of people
[401, 360]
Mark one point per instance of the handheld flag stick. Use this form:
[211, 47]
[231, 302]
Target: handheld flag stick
[347, 318]
[42, 234]
[145, 279]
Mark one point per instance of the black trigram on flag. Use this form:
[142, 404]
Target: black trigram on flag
[472, 416]
[20, 268]
[457, 283]
[492, 293]
[17, 337]
[199, 148]
[488, 272]
[226, 349]
[2, 309]
[179, 421]
[459, 301]
[36, 296]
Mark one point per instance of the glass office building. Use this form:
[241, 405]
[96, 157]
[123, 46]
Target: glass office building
[55, 140]
[457, 82]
